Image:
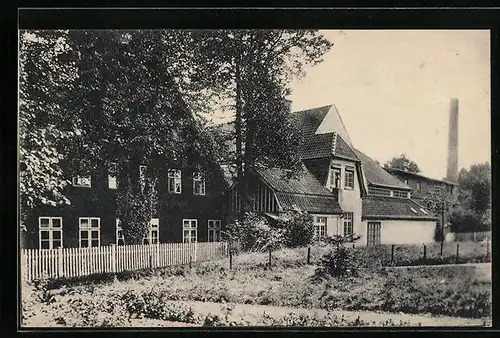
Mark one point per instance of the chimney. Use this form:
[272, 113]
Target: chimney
[452, 168]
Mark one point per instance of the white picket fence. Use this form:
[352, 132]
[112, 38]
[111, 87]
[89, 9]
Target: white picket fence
[77, 262]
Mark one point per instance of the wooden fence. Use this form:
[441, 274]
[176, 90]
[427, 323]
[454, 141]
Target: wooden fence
[77, 262]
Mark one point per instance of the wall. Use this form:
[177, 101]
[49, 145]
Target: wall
[333, 223]
[402, 232]
[100, 201]
[349, 199]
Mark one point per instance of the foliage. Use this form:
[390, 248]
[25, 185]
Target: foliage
[402, 162]
[299, 228]
[255, 234]
[46, 73]
[339, 262]
[475, 198]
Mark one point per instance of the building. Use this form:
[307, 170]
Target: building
[346, 191]
[190, 208]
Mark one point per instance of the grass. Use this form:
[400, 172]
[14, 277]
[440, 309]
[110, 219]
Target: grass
[453, 291]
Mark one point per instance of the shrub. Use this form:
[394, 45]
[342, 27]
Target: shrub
[299, 228]
[338, 262]
[255, 234]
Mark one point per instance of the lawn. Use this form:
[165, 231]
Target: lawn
[457, 291]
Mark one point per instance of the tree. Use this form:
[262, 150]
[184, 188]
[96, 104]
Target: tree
[253, 69]
[403, 163]
[474, 212]
[46, 75]
[440, 203]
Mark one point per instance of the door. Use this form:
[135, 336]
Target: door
[373, 235]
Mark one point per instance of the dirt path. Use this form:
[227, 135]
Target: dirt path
[251, 314]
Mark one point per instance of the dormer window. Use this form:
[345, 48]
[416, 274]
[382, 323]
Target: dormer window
[82, 181]
[406, 181]
[174, 181]
[198, 183]
[349, 178]
[334, 179]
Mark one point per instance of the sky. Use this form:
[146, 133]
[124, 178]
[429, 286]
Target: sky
[393, 91]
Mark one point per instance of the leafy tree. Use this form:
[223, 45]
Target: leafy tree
[440, 203]
[403, 163]
[46, 75]
[252, 69]
[474, 211]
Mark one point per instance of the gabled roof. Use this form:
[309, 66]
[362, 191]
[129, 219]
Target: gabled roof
[303, 191]
[387, 208]
[376, 175]
[323, 134]
[408, 173]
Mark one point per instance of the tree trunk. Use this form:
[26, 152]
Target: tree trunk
[239, 141]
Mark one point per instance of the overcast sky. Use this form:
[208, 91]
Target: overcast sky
[393, 91]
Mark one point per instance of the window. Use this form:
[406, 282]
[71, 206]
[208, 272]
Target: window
[419, 186]
[320, 227]
[50, 232]
[348, 227]
[379, 191]
[82, 181]
[413, 210]
[349, 178]
[198, 183]
[120, 238]
[334, 179]
[406, 181]
[373, 235]
[400, 194]
[90, 235]
[189, 230]
[214, 227]
[112, 176]
[174, 181]
[424, 211]
[152, 236]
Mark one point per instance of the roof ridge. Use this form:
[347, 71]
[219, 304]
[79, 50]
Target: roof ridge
[334, 142]
[315, 108]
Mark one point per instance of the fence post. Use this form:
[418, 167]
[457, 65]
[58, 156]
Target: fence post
[269, 259]
[442, 243]
[60, 272]
[230, 257]
[353, 246]
[195, 250]
[190, 259]
[425, 252]
[113, 258]
[487, 249]
[309, 255]
[456, 260]
[158, 254]
[392, 253]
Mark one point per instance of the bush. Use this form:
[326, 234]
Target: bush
[466, 221]
[255, 234]
[338, 262]
[299, 228]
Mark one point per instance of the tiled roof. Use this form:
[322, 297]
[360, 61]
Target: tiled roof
[304, 191]
[309, 203]
[380, 208]
[407, 173]
[304, 183]
[376, 175]
[342, 149]
[313, 145]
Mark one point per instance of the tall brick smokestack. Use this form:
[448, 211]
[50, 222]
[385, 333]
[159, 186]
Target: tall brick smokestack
[452, 168]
